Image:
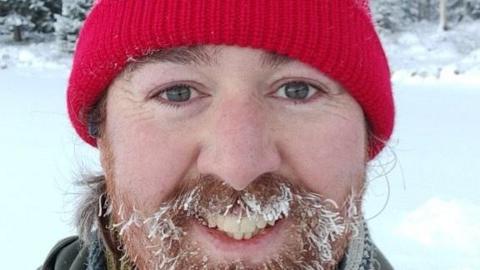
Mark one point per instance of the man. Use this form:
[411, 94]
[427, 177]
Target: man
[232, 134]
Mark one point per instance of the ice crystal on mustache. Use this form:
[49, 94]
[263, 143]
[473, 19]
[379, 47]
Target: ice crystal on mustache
[319, 224]
[272, 208]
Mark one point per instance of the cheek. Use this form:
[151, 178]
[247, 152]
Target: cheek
[149, 160]
[328, 156]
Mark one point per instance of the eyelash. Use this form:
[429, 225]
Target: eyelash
[172, 104]
[320, 91]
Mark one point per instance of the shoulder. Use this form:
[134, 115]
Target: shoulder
[379, 260]
[68, 254]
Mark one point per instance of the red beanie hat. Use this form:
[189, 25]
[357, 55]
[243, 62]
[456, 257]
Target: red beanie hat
[335, 36]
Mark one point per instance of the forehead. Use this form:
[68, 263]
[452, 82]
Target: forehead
[202, 55]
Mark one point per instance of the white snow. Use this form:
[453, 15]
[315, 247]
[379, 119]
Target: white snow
[38, 56]
[39, 156]
[432, 216]
[434, 187]
[427, 52]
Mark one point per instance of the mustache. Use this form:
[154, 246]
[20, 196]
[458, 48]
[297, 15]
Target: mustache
[270, 196]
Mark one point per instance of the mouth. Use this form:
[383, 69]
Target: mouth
[252, 239]
[239, 227]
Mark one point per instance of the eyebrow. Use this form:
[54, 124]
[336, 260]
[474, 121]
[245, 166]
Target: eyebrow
[200, 55]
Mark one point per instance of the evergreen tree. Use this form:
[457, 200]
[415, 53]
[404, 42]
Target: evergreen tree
[472, 9]
[21, 15]
[388, 14]
[458, 10]
[42, 14]
[412, 10]
[16, 17]
[16, 24]
[397, 15]
[4, 8]
[428, 10]
[69, 23]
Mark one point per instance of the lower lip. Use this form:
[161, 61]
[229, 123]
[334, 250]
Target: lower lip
[221, 241]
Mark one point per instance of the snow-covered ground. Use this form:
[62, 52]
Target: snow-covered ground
[424, 51]
[432, 217]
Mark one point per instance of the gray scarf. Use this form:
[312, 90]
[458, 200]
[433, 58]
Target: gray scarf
[361, 252]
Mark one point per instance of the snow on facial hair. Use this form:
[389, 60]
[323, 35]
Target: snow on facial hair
[319, 224]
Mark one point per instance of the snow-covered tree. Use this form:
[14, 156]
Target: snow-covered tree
[42, 13]
[412, 10]
[472, 9]
[442, 9]
[16, 24]
[399, 14]
[21, 15]
[69, 23]
[388, 14]
[458, 10]
[427, 10]
[16, 19]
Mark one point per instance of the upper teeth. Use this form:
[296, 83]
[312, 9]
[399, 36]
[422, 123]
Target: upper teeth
[239, 227]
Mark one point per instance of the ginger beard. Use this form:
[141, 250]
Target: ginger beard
[319, 230]
[316, 237]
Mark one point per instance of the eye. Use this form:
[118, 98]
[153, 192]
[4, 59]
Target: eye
[180, 93]
[297, 90]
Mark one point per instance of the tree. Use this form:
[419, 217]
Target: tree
[442, 9]
[412, 10]
[472, 8]
[16, 24]
[69, 23]
[42, 14]
[16, 19]
[19, 16]
[427, 10]
[389, 14]
[397, 15]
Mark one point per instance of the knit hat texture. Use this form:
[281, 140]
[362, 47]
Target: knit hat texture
[337, 37]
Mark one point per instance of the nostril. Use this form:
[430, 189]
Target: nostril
[239, 157]
[240, 169]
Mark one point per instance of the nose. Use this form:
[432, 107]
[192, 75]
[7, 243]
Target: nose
[239, 146]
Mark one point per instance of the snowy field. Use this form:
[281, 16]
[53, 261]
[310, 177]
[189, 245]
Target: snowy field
[431, 220]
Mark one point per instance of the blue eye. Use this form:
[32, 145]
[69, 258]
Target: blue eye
[177, 93]
[299, 91]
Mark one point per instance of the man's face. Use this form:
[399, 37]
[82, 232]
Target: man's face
[234, 157]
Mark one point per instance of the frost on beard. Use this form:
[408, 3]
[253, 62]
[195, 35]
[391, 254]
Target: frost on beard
[320, 224]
